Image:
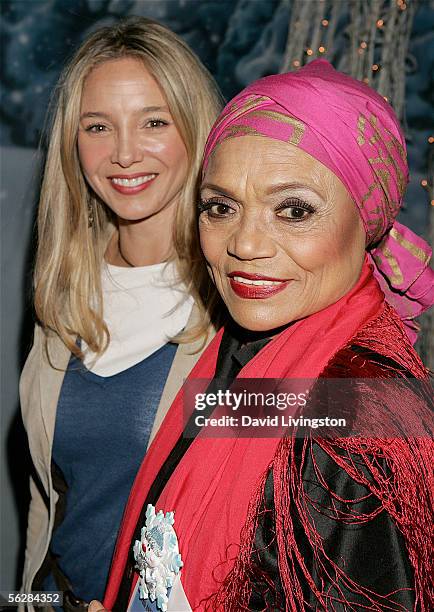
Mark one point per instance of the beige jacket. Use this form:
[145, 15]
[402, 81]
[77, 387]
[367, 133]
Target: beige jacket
[39, 392]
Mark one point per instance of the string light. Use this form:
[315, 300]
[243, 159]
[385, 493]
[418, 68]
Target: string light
[431, 139]
[432, 202]
[369, 49]
[424, 183]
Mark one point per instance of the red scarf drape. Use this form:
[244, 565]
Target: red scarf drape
[212, 486]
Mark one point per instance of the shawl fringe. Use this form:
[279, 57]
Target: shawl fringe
[395, 469]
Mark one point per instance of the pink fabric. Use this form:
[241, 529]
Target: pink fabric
[210, 489]
[350, 129]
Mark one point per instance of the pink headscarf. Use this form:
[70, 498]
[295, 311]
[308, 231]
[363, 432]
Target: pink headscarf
[350, 129]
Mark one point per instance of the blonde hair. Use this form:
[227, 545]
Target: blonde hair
[68, 293]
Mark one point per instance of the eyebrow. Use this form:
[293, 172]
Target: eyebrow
[224, 192]
[142, 111]
[294, 185]
[270, 191]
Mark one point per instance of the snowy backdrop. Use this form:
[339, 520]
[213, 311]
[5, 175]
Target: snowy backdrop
[238, 40]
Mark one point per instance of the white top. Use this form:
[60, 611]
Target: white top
[143, 309]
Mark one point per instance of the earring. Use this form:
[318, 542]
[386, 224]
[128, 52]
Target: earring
[90, 217]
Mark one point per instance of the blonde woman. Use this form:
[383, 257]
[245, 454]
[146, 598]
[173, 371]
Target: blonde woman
[116, 278]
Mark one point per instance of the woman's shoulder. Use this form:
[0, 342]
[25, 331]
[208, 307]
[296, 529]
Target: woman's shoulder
[44, 366]
[356, 361]
[47, 348]
[376, 394]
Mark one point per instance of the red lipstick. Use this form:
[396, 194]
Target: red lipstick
[256, 291]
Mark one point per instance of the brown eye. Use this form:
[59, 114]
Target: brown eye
[294, 210]
[156, 123]
[97, 128]
[215, 210]
[220, 210]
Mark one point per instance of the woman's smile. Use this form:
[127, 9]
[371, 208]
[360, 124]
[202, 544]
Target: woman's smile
[132, 184]
[255, 286]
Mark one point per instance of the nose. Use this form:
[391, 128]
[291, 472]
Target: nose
[126, 150]
[251, 241]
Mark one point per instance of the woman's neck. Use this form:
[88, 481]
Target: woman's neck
[246, 336]
[137, 244]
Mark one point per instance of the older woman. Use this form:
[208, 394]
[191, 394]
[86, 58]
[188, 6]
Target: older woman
[303, 172]
[112, 294]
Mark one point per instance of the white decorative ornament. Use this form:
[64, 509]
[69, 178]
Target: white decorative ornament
[157, 557]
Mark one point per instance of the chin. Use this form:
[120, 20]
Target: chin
[257, 323]
[133, 215]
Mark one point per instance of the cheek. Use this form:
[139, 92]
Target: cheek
[213, 244]
[173, 151]
[181, 161]
[329, 245]
[349, 241]
[308, 250]
[91, 155]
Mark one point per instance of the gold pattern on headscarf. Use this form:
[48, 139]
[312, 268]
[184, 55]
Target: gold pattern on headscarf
[390, 145]
[389, 160]
[397, 278]
[384, 176]
[250, 103]
[239, 130]
[412, 248]
[376, 211]
[368, 194]
[377, 224]
[298, 126]
[375, 227]
[361, 124]
[236, 109]
[395, 142]
[400, 177]
[376, 137]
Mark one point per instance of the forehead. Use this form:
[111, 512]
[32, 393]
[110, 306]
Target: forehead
[126, 77]
[264, 160]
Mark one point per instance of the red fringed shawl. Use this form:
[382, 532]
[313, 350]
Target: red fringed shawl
[217, 488]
